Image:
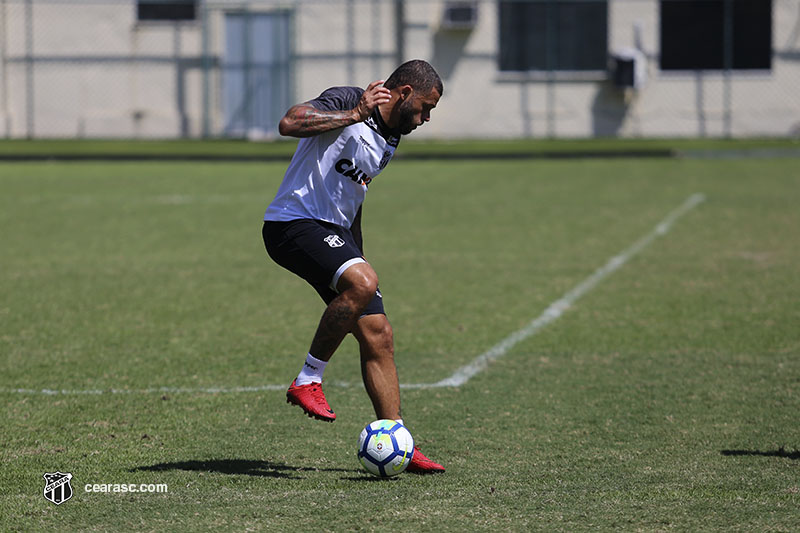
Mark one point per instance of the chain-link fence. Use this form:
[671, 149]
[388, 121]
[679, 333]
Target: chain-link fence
[531, 68]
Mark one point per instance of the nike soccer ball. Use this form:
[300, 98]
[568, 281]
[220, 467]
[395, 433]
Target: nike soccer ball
[385, 448]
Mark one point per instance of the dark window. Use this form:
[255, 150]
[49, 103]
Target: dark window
[163, 10]
[716, 34]
[553, 35]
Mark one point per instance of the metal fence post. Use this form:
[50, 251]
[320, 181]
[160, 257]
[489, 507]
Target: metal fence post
[29, 86]
[4, 70]
[400, 31]
[206, 65]
[727, 67]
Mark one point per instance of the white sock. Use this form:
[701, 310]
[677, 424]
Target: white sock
[311, 372]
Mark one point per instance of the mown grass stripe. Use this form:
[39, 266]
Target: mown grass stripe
[465, 373]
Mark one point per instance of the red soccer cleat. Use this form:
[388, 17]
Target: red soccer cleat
[312, 400]
[422, 465]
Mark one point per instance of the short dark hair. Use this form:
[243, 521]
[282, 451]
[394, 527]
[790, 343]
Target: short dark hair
[417, 73]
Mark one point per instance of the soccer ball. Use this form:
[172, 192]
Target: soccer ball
[385, 448]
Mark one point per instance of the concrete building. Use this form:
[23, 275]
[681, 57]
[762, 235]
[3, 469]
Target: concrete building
[535, 68]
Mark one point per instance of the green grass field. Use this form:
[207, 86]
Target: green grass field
[666, 398]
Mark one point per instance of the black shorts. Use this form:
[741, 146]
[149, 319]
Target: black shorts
[319, 253]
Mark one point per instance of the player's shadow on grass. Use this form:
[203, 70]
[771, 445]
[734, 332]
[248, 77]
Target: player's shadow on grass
[245, 467]
[780, 452]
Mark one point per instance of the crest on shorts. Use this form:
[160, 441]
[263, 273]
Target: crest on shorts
[57, 488]
[334, 241]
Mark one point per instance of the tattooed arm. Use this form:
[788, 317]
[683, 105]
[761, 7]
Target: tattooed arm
[304, 120]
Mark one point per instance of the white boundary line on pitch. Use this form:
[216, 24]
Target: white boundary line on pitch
[154, 390]
[557, 308]
[467, 372]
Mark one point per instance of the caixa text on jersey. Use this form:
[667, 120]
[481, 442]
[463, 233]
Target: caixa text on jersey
[349, 169]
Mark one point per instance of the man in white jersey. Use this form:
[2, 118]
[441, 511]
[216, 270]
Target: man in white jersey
[313, 226]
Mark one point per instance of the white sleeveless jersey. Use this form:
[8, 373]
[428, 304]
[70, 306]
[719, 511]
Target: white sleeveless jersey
[330, 173]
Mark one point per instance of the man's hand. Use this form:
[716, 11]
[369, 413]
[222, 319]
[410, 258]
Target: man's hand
[374, 95]
[304, 120]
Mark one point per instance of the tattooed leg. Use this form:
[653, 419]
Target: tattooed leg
[338, 319]
[357, 286]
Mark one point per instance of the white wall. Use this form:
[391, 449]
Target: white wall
[99, 73]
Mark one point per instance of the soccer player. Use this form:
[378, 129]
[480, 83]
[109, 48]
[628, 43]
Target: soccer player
[313, 226]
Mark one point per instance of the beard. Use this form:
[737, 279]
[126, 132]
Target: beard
[407, 124]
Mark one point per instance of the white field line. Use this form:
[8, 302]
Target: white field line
[153, 390]
[461, 375]
[557, 308]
